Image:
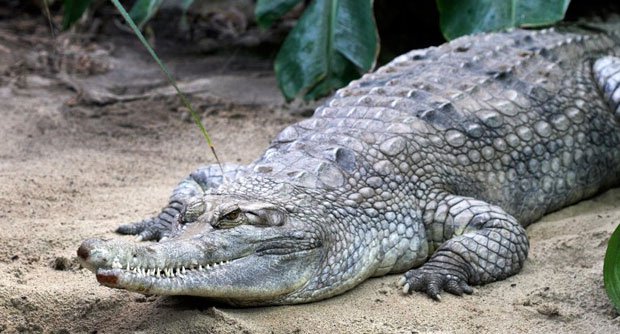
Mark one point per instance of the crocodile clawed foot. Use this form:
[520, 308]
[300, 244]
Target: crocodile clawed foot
[433, 281]
[170, 221]
[146, 230]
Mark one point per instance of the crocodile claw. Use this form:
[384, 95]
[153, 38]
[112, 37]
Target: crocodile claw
[158, 227]
[146, 230]
[434, 281]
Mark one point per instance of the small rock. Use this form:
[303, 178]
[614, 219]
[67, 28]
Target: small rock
[550, 311]
[140, 299]
[23, 304]
[61, 263]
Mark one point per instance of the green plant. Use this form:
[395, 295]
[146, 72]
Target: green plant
[336, 41]
[73, 10]
[611, 269]
[464, 17]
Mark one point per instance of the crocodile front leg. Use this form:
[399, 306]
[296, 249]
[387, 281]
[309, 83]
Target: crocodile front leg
[186, 198]
[484, 244]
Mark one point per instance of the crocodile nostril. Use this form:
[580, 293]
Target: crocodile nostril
[83, 252]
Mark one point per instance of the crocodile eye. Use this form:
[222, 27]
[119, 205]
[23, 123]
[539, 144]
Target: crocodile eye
[233, 215]
[231, 219]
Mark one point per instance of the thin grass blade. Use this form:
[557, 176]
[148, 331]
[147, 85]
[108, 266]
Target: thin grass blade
[171, 80]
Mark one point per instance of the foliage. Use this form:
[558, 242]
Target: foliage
[611, 269]
[73, 11]
[458, 18]
[267, 12]
[143, 10]
[335, 41]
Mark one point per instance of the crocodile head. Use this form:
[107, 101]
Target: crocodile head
[238, 249]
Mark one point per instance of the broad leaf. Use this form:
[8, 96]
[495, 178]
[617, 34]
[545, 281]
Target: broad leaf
[342, 72]
[611, 268]
[463, 17]
[267, 11]
[143, 10]
[333, 42]
[73, 11]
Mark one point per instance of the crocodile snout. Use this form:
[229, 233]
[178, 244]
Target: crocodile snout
[93, 254]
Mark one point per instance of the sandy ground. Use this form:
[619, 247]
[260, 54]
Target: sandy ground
[71, 170]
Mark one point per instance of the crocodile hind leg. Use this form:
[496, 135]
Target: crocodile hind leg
[184, 204]
[483, 244]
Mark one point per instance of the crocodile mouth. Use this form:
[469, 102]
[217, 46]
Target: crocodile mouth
[239, 281]
[225, 268]
[109, 276]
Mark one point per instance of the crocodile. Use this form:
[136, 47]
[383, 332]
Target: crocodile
[431, 166]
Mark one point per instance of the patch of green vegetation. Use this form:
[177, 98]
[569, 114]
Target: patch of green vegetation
[464, 17]
[611, 269]
[336, 41]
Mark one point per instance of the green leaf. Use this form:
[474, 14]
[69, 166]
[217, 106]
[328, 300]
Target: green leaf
[73, 11]
[267, 11]
[463, 17]
[143, 10]
[343, 72]
[334, 42]
[611, 269]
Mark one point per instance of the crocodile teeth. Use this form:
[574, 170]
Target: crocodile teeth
[167, 272]
[116, 264]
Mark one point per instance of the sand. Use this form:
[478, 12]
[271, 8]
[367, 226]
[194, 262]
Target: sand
[72, 170]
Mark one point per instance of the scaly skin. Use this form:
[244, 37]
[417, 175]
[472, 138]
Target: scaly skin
[433, 166]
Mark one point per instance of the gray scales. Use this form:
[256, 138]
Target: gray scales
[431, 166]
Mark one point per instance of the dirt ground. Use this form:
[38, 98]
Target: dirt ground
[91, 138]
